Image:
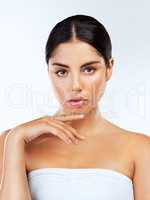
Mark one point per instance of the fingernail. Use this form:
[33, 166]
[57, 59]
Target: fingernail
[69, 141]
[81, 115]
[76, 141]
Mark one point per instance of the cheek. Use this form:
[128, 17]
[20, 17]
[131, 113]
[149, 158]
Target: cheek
[61, 87]
[96, 86]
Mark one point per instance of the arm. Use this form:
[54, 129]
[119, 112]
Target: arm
[142, 168]
[15, 184]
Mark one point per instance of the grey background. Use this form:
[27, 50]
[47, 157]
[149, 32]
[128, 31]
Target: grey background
[25, 90]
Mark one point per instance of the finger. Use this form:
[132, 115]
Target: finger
[69, 117]
[60, 134]
[76, 133]
[71, 129]
[60, 126]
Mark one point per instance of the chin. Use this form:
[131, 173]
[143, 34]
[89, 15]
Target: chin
[77, 110]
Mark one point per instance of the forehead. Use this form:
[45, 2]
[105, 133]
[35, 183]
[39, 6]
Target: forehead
[75, 52]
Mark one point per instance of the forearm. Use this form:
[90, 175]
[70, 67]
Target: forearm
[15, 183]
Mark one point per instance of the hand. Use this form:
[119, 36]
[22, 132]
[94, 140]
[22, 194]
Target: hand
[49, 124]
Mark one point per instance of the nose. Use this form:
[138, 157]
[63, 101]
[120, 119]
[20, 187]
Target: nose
[76, 84]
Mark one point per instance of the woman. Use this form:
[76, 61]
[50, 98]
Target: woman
[76, 153]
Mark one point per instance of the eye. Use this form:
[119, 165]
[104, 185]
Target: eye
[89, 69]
[58, 72]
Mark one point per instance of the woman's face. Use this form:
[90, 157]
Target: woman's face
[76, 70]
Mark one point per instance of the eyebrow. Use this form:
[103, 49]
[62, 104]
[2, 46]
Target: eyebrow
[66, 66]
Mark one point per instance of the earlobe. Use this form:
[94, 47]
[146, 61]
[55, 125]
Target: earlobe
[111, 62]
[109, 69]
[107, 77]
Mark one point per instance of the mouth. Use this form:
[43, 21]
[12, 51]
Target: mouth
[77, 102]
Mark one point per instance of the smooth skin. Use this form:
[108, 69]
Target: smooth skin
[43, 142]
[13, 143]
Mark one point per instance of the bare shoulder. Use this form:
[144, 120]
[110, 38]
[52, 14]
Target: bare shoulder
[3, 135]
[141, 150]
[139, 141]
[139, 144]
[2, 140]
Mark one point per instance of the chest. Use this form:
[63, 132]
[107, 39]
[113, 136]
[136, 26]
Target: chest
[91, 152]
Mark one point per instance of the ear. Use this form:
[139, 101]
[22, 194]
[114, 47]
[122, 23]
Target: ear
[109, 68]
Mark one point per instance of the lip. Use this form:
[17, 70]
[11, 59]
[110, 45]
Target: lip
[77, 103]
[77, 99]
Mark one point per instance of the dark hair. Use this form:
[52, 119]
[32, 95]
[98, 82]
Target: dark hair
[84, 28]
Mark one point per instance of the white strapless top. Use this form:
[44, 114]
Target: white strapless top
[79, 184]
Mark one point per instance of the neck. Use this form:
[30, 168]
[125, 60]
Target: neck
[83, 125]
